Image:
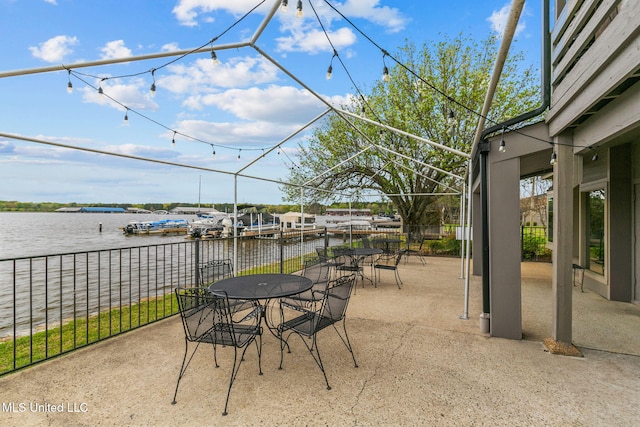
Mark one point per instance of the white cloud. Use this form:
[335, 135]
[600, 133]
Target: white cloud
[6, 147]
[142, 151]
[278, 104]
[499, 18]
[170, 47]
[315, 41]
[115, 49]
[385, 16]
[134, 94]
[187, 11]
[54, 49]
[203, 76]
[240, 134]
[53, 2]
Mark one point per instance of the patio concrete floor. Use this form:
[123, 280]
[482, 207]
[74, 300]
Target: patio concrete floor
[419, 364]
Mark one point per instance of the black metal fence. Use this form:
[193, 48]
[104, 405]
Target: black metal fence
[54, 304]
[533, 241]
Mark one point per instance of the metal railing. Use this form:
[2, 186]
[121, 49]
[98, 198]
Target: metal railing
[53, 304]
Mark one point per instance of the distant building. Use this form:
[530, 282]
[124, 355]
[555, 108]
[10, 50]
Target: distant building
[92, 209]
[138, 211]
[349, 212]
[189, 210]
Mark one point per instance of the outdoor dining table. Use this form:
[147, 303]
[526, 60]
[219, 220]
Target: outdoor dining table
[262, 288]
[388, 242]
[357, 256]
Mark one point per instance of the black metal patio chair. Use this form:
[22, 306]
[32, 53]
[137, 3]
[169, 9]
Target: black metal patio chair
[412, 251]
[215, 270]
[207, 318]
[328, 258]
[389, 262]
[308, 324]
[318, 272]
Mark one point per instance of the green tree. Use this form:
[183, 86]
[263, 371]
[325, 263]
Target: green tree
[459, 69]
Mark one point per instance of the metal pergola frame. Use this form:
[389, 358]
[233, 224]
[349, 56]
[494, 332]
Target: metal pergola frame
[465, 191]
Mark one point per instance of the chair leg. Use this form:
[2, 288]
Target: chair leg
[234, 373]
[182, 371]
[319, 360]
[183, 368]
[398, 280]
[259, 347]
[345, 340]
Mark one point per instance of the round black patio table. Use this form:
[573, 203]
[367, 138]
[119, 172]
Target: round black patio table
[262, 286]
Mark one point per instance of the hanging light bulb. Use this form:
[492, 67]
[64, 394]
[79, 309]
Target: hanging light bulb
[214, 57]
[451, 122]
[283, 6]
[554, 157]
[330, 69]
[152, 89]
[239, 153]
[595, 155]
[503, 146]
[385, 74]
[385, 70]
[173, 140]
[213, 154]
[278, 150]
[100, 92]
[299, 13]
[126, 117]
[69, 85]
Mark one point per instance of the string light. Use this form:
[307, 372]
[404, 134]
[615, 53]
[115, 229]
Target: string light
[214, 57]
[299, 13]
[213, 154]
[503, 147]
[452, 122]
[173, 140]
[284, 5]
[554, 157]
[278, 150]
[69, 85]
[330, 69]
[126, 117]
[100, 91]
[152, 89]
[239, 150]
[385, 70]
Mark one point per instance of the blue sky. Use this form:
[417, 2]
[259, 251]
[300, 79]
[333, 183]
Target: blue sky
[241, 106]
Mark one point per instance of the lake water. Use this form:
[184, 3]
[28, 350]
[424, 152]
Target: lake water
[31, 289]
[44, 233]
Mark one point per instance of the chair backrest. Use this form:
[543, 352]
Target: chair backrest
[323, 254]
[337, 297]
[196, 307]
[316, 270]
[398, 257]
[212, 271]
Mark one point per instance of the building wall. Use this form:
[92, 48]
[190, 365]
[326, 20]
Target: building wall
[596, 94]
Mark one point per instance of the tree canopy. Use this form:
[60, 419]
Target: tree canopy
[433, 92]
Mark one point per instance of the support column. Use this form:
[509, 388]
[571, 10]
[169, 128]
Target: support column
[562, 286]
[504, 241]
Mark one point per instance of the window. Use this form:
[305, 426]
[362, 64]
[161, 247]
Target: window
[595, 230]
